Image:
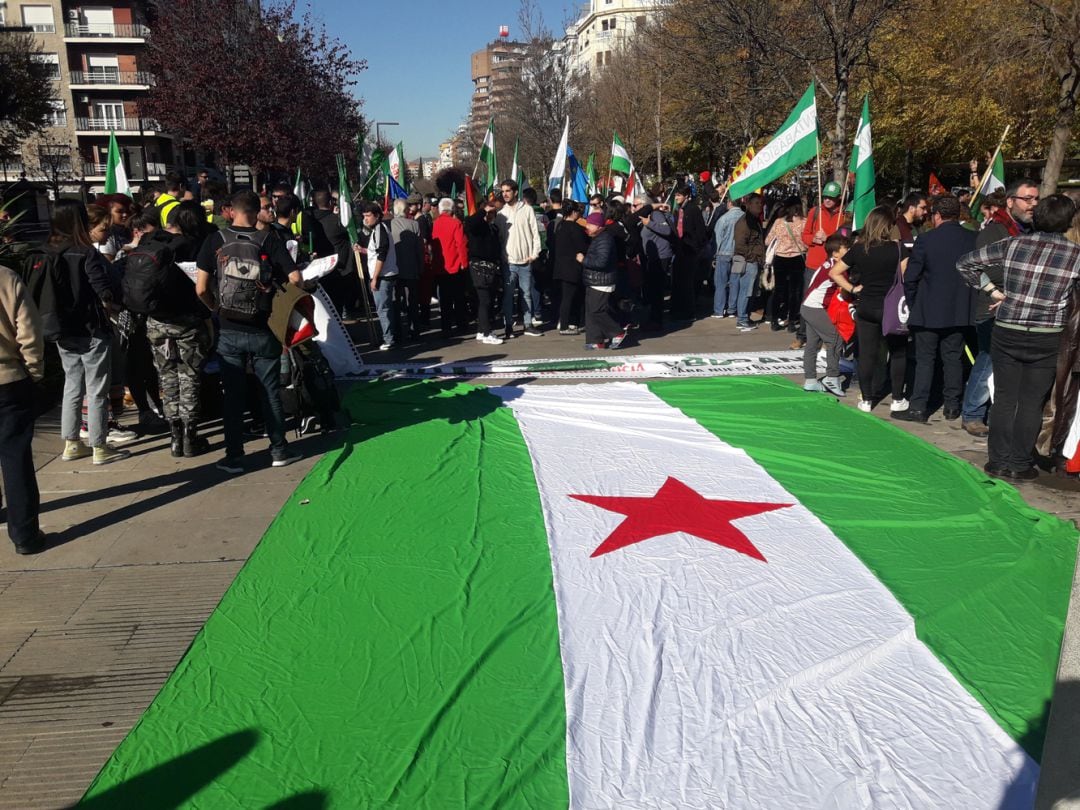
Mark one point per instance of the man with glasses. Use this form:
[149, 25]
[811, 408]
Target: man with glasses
[520, 238]
[1013, 220]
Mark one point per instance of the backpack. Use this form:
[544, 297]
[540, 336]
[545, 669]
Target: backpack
[243, 275]
[52, 277]
[308, 387]
[148, 275]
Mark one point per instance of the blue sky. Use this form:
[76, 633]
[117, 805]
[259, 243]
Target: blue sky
[418, 58]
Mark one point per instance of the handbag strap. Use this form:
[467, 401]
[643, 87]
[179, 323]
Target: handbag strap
[787, 227]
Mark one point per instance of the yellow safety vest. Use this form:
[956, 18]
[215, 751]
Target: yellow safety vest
[166, 203]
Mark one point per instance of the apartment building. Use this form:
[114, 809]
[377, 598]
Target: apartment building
[95, 53]
[604, 27]
[494, 71]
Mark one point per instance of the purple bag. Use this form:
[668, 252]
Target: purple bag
[894, 316]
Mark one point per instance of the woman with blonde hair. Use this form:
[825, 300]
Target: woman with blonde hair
[867, 271]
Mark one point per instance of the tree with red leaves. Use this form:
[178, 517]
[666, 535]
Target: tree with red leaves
[263, 89]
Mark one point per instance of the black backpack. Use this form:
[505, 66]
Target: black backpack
[149, 276]
[244, 275]
[52, 277]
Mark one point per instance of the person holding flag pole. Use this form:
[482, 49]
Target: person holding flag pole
[992, 180]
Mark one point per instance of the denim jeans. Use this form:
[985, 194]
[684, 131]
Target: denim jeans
[977, 393]
[721, 277]
[514, 276]
[86, 362]
[743, 287]
[386, 308]
[262, 349]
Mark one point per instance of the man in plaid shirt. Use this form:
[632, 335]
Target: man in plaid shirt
[1041, 269]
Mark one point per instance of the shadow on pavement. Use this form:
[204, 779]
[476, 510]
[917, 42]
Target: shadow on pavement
[172, 783]
[1060, 778]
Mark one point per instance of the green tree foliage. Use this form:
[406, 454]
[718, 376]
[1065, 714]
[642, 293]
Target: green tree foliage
[26, 91]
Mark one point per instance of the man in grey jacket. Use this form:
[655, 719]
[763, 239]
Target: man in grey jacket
[658, 248]
[22, 363]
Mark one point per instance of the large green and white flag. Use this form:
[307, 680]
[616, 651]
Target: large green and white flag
[863, 198]
[994, 180]
[620, 158]
[717, 593]
[489, 159]
[395, 162]
[793, 144]
[116, 181]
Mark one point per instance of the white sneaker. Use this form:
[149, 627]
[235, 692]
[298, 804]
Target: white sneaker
[480, 336]
[537, 321]
[491, 340]
[864, 405]
[385, 347]
[898, 405]
[118, 435]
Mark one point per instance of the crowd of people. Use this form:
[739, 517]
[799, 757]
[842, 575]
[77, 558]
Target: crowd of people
[915, 288]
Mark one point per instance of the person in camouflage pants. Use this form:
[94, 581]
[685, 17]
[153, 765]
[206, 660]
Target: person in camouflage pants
[180, 348]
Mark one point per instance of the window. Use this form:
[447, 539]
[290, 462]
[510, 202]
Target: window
[99, 21]
[108, 115]
[55, 159]
[612, 24]
[604, 25]
[103, 68]
[58, 114]
[52, 63]
[39, 18]
[599, 58]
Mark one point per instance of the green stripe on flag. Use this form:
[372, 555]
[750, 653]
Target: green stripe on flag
[390, 643]
[986, 577]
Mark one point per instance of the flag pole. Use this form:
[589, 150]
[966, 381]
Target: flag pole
[990, 165]
[607, 183]
[817, 164]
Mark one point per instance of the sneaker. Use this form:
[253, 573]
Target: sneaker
[307, 425]
[746, 327]
[592, 347]
[119, 435]
[74, 450]
[834, 386]
[813, 385]
[537, 321]
[108, 454]
[718, 317]
[617, 341]
[572, 330]
[289, 456]
[491, 340]
[232, 466]
[508, 335]
[865, 406]
[150, 422]
[898, 405]
[480, 335]
[533, 332]
[385, 347]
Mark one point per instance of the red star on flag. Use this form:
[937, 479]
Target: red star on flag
[677, 508]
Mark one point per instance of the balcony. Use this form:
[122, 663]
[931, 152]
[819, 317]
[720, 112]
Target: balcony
[96, 171]
[102, 126]
[111, 79]
[98, 31]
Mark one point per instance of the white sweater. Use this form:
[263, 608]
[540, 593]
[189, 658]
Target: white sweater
[519, 233]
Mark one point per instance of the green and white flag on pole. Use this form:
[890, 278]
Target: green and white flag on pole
[620, 158]
[489, 160]
[993, 180]
[116, 181]
[345, 209]
[516, 172]
[590, 172]
[793, 145]
[643, 595]
[863, 198]
[396, 164]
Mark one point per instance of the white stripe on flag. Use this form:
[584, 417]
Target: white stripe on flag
[700, 677]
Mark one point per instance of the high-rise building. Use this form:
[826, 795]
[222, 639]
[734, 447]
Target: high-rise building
[95, 53]
[494, 72]
[604, 27]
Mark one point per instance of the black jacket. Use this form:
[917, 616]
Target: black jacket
[694, 236]
[601, 259]
[482, 238]
[571, 241]
[183, 299]
[329, 237]
[937, 296]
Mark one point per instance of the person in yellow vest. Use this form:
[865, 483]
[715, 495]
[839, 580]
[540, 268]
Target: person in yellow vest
[174, 191]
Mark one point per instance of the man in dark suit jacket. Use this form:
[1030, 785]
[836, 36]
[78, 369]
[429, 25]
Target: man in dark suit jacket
[690, 227]
[330, 238]
[939, 303]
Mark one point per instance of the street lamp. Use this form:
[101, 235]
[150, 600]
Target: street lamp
[378, 138]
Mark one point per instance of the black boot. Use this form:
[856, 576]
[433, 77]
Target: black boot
[177, 445]
[194, 444]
